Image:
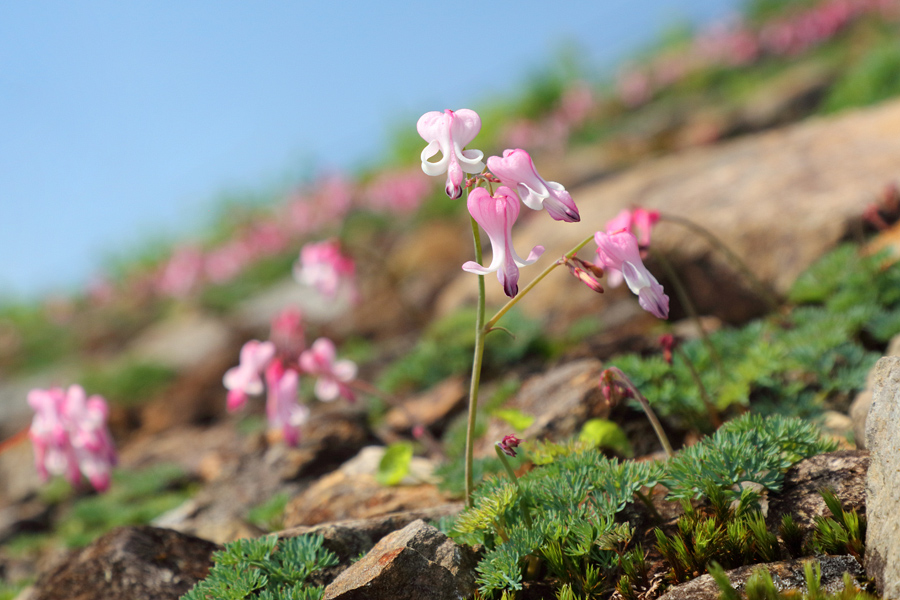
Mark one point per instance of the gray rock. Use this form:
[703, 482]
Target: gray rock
[418, 562]
[787, 575]
[138, 563]
[883, 484]
[859, 409]
[183, 342]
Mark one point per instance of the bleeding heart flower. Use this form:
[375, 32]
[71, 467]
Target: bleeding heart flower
[449, 132]
[496, 215]
[619, 251]
[333, 374]
[516, 170]
[245, 378]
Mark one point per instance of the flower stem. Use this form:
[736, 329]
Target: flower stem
[651, 415]
[526, 512]
[476, 369]
[735, 260]
[512, 301]
[714, 415]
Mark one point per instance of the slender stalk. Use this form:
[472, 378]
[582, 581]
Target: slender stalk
[476, 369]
[512, 301]
[689, 307]
[11, 441]
[735, 260]
[526, 512]
[714, 415]
[651, 415]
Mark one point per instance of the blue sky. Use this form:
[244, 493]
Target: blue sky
[122, 121]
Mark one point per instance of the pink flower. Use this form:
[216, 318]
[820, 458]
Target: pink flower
[639, 221]
[70, 437]
[287, 333]
[322, 266]
[496, 215]
[333, 374]
[619, 251]
[181, 273]
[399, 191]
[245, 378]
[509, 444]
[282, 409]
[517, 171]
[449, 132]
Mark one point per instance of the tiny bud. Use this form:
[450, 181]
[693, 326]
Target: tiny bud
[585, 272]
[873, 216]
[667, 341]
[508, 445]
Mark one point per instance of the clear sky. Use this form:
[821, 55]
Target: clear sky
[120, 121]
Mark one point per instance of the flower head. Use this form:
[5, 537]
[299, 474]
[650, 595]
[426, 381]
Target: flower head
[496, 215]
[282, 409]
[619, 251]
[245, 378]
[509, 444]
[449, 132]
[517, 171]
[333, 374]
[322, 266]
[638, 221]
[70, 437]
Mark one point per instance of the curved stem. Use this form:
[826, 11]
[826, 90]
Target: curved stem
[476, 369]
[735, 260]
[714, 415]
[512, 301]
[651, 414]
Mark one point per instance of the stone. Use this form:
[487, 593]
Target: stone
[257, 312]
[352, 492]
[883, 484]
[417, 562]
[433, 408]
[139, 563]
[561, 400]
[844, 472]
[786, 575]
[183, 342]
[859, 409]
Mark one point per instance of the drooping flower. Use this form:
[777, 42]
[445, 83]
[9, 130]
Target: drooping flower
[516, 170]
[244, 379]
[619, 251]
[288, 333]
[638, 221]
[70, 436]
[509, 444]
[282, 409]
[323, 266]
[496, 215]
[333, 375]
[449, 132]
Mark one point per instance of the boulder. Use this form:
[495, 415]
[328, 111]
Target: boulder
[883, 483]
[138, 563]
[418, 562]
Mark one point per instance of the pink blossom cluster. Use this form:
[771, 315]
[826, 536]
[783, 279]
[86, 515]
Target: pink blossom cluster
[735, 43]
[551, 133]
[397, 192]
[275, 366]
[70, 437]
[322, 265]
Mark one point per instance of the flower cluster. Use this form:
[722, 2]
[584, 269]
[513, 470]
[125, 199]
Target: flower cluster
[323, 266]
[70, 436]
[448, 132]
[276, 366]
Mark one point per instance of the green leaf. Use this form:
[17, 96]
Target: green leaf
[606, 434]
[395, 463]
[516, 419]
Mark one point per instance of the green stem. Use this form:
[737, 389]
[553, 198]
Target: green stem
[651, 415]
[688, 304]
[714, 415]
[526, 512]
[476, 369]
[512, 301]
[735, 260]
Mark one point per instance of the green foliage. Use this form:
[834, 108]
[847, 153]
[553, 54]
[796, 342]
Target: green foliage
[791, 535]
[446, 349]
[134, 498]
[128, 383]
[270, 514]
[603, 433]
[842, 533]
[750, 448]
[265, 568]
[760, 586]
[395, 463]
[516, 418]
[874, 77]
[38, 341]
[560, 516]
[226, 296]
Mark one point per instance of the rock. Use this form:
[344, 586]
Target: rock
[433, 408]
[778, 199]
[352, 492]
[256, 313]
[883, 484]
[561, 400]
[418, 562]
[786, 576]
[859, 409]
[843, 471]
[138, 563]
[183, 342]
